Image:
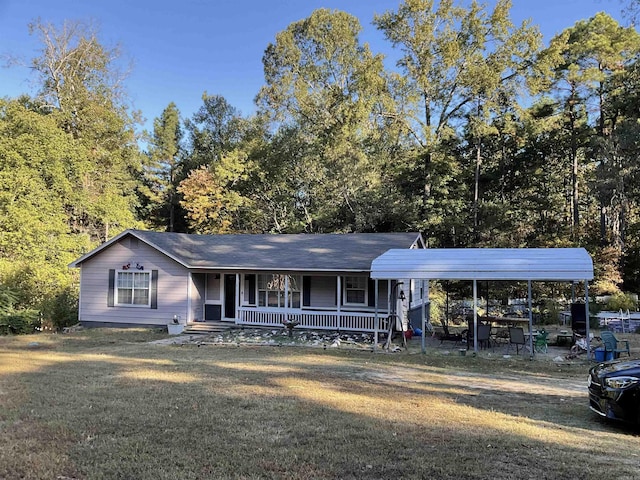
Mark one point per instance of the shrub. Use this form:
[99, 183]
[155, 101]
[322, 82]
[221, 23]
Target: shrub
[8, 298]
[63, 309]
[621, 301]
[20, 321]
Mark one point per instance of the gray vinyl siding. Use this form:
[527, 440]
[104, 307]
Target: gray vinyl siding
[323, 292]
[172, 286]
[197, 297]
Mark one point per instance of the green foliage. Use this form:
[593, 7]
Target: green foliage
[8, 298]
[459, 62]
[327, 94]
[549, 310]
[210, 197]
[622, 301]
[20, 322]
[445, 144]
[159, 176]
[67, 166]
[437, 298]
[63, 309]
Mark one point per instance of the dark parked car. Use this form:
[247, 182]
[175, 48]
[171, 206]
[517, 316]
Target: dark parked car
[614, 390]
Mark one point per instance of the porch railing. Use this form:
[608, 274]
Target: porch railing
[313, 319]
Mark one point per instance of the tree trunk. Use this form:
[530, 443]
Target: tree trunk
[476, 191]
[575, 227]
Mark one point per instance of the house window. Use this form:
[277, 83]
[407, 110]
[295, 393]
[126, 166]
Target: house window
[133, 288]
[355, 290]
[272, 291]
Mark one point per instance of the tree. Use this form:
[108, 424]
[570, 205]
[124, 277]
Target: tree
[325, 91]
[215, 129]
[37, 173]
[455, 59]
[82, 89]
[160, 179]
[211, 195]
[589, 54]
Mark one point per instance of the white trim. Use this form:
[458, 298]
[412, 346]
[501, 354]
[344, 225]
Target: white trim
[365, 302]
[189, 291]
[116, 293]
[418, 242]
[80, 297]
[237, 299]
[356, 321]
[283, 295]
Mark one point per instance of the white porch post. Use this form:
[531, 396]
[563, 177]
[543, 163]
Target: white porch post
[189, 311]
[376, 319]
[388, 302]
[532, 353]
[286, 298]
[237, 299]
[339, 302]
[475, 316]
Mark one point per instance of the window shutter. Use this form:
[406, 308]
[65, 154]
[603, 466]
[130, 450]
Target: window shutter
[371, 288]
[112, 284]
[306, 291]
[154, 289]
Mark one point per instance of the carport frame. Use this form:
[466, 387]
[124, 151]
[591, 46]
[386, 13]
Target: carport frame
[508, 264]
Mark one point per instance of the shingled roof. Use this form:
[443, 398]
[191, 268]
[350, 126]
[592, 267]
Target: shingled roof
[352, 252]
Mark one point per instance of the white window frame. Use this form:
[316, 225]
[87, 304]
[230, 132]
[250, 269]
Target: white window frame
[346, 289]
[133, 289]
[276, 283]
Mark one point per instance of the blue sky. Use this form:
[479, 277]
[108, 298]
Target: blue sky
[180, 49]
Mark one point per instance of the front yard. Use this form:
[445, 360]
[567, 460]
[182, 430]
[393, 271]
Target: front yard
[109, 404]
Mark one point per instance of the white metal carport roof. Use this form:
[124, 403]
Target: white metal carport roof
[538, 264]
[516, 264]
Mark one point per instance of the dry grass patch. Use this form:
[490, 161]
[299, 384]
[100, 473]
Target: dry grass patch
[104, 404]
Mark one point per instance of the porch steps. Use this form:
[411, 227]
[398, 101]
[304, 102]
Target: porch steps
[208, 327]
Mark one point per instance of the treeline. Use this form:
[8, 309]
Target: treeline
[481, 136]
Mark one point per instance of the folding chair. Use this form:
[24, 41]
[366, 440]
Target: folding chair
[516, 337]
[484, 336]
[541, 341]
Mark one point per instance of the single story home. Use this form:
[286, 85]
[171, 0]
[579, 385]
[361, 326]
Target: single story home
[319, 281]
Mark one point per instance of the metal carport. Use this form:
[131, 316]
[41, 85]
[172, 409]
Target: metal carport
[515, 264]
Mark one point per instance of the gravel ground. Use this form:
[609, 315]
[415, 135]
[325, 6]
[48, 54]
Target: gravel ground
[350, 340]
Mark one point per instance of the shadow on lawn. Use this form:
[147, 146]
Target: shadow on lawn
[141, 411]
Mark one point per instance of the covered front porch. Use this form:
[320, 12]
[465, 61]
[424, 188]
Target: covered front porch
[340, 301]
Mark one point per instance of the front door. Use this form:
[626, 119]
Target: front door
[229, 296]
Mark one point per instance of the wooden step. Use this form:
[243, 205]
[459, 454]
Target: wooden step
[208, 327]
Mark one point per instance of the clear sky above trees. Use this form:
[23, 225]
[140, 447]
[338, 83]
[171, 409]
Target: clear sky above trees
[179, 50]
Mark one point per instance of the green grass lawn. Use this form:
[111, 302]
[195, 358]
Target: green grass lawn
[106, 404]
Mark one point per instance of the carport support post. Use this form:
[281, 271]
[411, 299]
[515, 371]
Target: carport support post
[475, 316]
[424, 321]
[376, 319]
[586, 312]
[532, 353]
